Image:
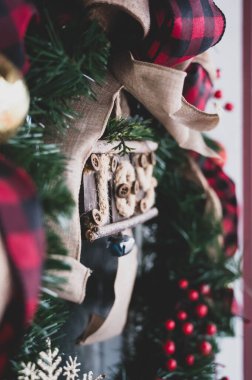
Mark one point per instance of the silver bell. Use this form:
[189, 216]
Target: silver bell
[121, 245]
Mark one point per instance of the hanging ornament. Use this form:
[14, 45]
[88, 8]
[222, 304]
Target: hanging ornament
[171, 364]
[182, 315]
[205, 289]
[205, 348]
[229, 106]
[14, 99]
[188, 328]
[211, 329]
[183, 283]
[193, 295]
[218, 94]
[225, 378]
[190, 359]
[201, 310]
[170, 324]
[169, 347]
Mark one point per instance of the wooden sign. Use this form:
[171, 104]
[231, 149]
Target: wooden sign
[118, 192]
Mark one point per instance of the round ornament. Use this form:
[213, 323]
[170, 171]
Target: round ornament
[205, 348]
[190, 360]
[193, 295]
[205, 289]
[170, 324]
[171, 364]
[183, 283]
[201, 310]
[211, 329]
[188, 328]
[14, 99]
[182, 315]
[229, 106]
[169, 347]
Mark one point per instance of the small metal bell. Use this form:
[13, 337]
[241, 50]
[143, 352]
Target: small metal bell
[121, 245]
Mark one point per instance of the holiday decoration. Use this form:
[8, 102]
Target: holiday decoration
[23, 241]
[201, 310]
[14, 28]
[174, 37]
[14, 99]
[183, 283]
[188, 328]
[193, 295]
[169, 347]
[170, 325]
[171, 364]
[229, 106]
[129, 181]
[205, 348]
[218, 94]
[211, 329]
[190, 359]
[49, 367]
[88, 144]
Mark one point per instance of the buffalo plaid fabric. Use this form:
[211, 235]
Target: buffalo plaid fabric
[15, 16]
[180, 30]
[198, 87]
[24, 242]
[225, 189]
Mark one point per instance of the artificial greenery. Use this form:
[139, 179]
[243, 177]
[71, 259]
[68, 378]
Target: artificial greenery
[181, 243]
[127, 129]
[60, 72]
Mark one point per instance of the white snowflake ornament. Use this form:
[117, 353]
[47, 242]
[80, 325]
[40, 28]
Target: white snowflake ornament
[28, 372]
[71, 370]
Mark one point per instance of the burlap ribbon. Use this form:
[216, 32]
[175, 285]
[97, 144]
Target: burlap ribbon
[77, 145]
[159, 89]
[106, 12]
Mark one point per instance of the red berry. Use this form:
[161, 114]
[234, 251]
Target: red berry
[205, 289]
[201, 310]
[183, 283]
[170, 325]
[225, 378]
[193, 295]
[205, 348]
[218, 73]
[211, 329]
[229, 106]
[190, 359]
[169, 347]
[171, 364]
[182, 315]
[188, 328]
[218, 94]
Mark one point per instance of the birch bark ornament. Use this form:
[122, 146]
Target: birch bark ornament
[118, 192]
[14, 99]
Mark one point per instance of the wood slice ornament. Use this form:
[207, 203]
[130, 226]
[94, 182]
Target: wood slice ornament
[118, 192]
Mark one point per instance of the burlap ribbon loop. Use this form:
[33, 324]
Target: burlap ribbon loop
[159, 89]
[106, 12]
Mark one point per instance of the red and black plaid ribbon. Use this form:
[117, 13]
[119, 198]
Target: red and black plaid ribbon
[15, 16]
[180, 30]
[24, 241]
[225, 189]
[198, 87]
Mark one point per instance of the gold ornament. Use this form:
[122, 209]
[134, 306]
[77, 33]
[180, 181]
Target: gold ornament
[14, 99]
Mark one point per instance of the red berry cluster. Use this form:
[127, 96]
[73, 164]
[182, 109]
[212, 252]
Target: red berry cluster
[187, 327]
[218, 95]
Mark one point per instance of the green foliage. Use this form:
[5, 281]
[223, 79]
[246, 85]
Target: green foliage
[183, 242]
[131, 128]
[65, 61]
